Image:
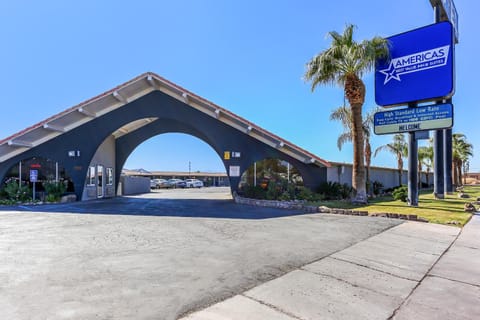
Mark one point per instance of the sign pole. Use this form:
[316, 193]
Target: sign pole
[447, 136]
[444, 10]
[412, 166]
[438, 181]
[438, 150]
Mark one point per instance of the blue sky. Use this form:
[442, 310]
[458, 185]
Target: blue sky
[247, 56]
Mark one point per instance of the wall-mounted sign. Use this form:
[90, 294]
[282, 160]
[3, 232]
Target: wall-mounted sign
[420, 67]
[234, 171]
[227, 155]
[439, 116]
[74, 153]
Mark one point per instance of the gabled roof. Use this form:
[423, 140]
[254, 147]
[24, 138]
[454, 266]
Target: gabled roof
[128, 92]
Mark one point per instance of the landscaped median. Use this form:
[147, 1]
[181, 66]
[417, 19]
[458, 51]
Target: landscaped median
[450, 210]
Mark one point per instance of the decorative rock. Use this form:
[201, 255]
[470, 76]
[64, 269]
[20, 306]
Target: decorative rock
[463, 195]
[403, 216]
[68, 198]
[454, 222]
[420, 219]
[412, 217]
[324, 209]
[380, 214]
[469, 207]
[392, 215]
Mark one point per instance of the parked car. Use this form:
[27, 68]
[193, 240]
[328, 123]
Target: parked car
[158, 183]
[194, 183]
[176, 183]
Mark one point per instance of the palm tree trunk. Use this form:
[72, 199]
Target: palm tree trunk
[400, 169]
[368, 160]
[460, 165]
[455, 173]
[354, 89]
[358, 174]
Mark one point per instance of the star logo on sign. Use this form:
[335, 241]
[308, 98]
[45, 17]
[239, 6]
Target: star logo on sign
[390, 73]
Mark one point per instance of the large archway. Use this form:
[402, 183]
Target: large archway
[175, 152]
[139, 110]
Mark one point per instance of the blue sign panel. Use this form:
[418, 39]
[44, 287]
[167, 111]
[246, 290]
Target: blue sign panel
[420, 66]
[437, 116]
[33, 175]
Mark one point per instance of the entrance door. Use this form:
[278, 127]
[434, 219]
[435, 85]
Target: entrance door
[100, 181]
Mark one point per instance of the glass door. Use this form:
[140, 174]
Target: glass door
[100, 181]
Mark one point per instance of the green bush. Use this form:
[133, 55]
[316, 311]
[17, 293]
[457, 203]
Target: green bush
[54, 190]
[17, 193]
[304, 193]
[400, 193]
[274, 190]
[335, 191]
[254, 192]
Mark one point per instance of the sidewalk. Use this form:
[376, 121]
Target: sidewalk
[411, 271]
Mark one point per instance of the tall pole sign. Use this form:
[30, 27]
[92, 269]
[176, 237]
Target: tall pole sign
[444, 10]
[420, 69]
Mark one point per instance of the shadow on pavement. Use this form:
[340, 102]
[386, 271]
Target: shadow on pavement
[199, 208]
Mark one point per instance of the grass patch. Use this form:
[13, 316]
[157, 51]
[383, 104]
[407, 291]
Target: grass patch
[448, 210]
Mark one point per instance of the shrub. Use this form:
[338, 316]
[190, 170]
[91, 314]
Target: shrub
[400, 193]
[254, 192]
[54, 190]
[304, 193]
[334, 190]
[17, 193]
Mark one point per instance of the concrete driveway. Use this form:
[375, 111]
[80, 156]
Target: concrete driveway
[151, 258]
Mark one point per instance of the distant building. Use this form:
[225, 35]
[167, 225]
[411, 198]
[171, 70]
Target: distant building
[217, 179]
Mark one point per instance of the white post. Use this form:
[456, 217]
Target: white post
[56, 172]
[288, 172]
[254, 174]
[20, 174]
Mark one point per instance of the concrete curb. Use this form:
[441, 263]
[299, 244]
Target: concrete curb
[300, 205]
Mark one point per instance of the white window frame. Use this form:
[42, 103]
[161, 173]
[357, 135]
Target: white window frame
[109, 173]
[91, 176]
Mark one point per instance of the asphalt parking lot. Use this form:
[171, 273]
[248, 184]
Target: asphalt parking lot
[156, 256]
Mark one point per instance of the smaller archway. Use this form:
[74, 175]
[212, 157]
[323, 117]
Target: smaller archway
[272, 179]
[41, 172]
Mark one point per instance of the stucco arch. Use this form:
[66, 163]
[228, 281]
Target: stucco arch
[173, 109]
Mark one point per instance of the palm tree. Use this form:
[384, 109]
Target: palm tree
[344, 115]
[466, 169]
[423, 157]
[344, 63]
[399, 148]
[461, 151]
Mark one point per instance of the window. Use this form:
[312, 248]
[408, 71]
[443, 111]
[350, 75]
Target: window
[91, 176]
[109, 176]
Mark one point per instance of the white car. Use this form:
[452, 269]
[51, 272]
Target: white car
[158, 183]
[194, 183]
